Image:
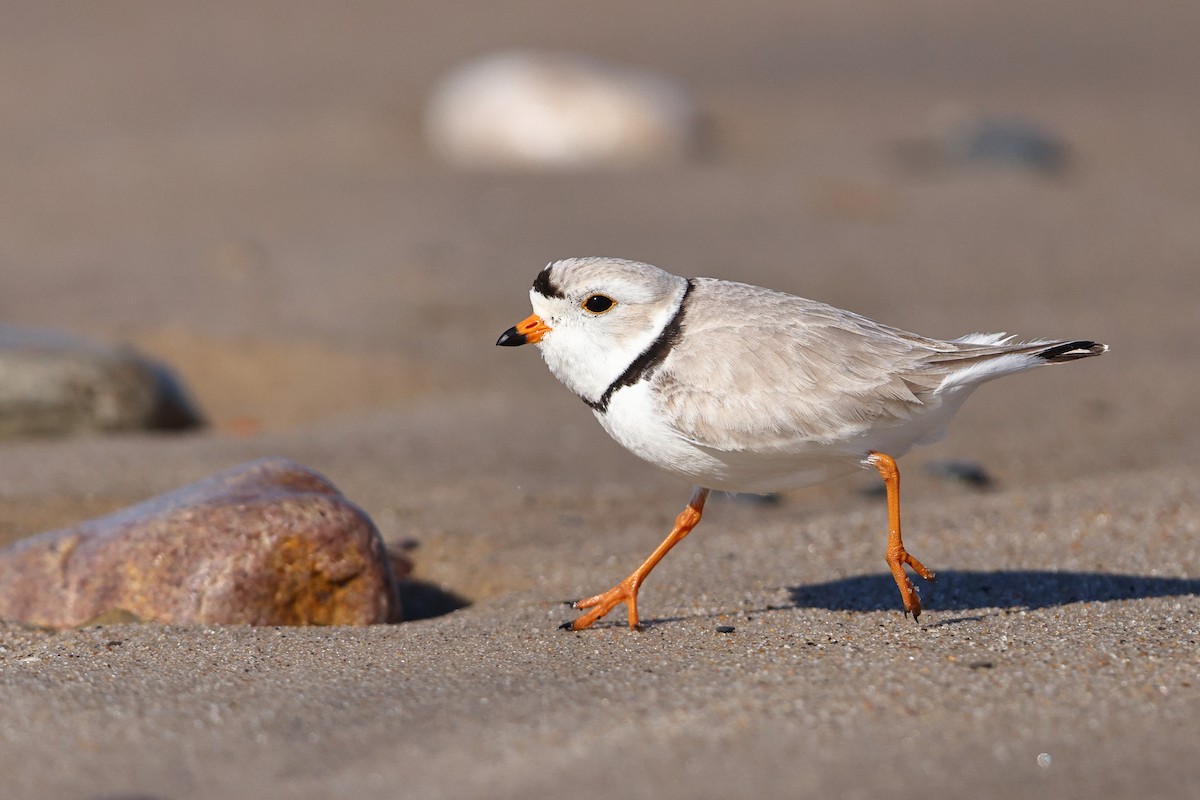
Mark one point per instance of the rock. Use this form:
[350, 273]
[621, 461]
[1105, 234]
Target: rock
[1009, 142]
[265, 543]
[965, 139]
[970, 473]
[537, 110]
[54, 383]
[755, 499]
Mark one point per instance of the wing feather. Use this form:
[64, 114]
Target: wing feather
[762, 370]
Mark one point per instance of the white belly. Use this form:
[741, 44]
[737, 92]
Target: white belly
[637, 423]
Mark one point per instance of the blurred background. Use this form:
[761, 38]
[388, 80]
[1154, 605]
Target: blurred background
[259, 195]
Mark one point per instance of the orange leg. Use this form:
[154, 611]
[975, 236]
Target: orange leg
[626, 591]
[897, 556]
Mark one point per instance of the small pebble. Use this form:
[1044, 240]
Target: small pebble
[725, 629]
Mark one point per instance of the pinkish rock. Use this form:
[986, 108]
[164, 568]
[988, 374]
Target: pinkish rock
[266, 543]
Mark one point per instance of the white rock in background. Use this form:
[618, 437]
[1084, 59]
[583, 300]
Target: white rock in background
[535, 110]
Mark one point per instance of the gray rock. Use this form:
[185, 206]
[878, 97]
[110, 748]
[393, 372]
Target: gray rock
[265, 543]
[536, 110]
[964, 139]
[1007, 142]
[55, 383]
[970, 473]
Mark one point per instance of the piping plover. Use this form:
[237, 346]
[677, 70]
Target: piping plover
[740, 388]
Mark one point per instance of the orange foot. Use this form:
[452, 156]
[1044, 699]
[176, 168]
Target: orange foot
[896, 559]
[626, 591]
[897, 556]
[600, 604]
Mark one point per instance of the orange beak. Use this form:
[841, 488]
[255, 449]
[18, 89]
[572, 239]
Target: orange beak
[528, 331]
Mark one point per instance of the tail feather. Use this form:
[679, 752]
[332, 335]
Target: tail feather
[981, 358]
[1070, 351]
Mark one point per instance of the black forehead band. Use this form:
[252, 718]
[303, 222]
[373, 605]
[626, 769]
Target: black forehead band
[546, 287]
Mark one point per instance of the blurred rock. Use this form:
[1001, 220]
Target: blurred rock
[265, 543]
[536, 110]
[963, 139]
[54, 383]
[755, 499]
[970, 473]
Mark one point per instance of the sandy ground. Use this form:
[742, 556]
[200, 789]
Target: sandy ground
[241, 190]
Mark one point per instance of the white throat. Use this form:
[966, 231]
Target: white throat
[587, 360]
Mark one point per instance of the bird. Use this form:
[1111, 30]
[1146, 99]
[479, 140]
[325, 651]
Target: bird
[735, 387]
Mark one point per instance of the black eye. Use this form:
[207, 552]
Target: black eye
[598, 303]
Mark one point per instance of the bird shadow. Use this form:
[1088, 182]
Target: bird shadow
[965, 591]
[970, 590]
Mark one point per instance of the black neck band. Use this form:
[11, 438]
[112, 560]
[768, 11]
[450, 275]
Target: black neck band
[650, 358]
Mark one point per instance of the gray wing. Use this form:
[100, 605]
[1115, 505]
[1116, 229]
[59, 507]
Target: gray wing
[758, 369]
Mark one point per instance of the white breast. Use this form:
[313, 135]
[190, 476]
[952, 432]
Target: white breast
[637, 422]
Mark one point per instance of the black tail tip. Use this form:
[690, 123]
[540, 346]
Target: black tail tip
[1070, 351]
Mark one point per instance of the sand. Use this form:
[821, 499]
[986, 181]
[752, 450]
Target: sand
[243, 192]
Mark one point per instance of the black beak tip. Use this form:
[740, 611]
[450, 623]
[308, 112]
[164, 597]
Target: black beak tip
[510, 338]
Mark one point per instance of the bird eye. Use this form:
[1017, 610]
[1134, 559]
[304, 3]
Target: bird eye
[598, 303]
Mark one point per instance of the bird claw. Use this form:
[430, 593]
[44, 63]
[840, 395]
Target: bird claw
[600, 604]
[909, 594]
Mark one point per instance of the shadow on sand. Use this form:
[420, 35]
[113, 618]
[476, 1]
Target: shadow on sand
[421, 600]
[967, 590]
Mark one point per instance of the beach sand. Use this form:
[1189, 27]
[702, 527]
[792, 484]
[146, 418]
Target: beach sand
[241, 190]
